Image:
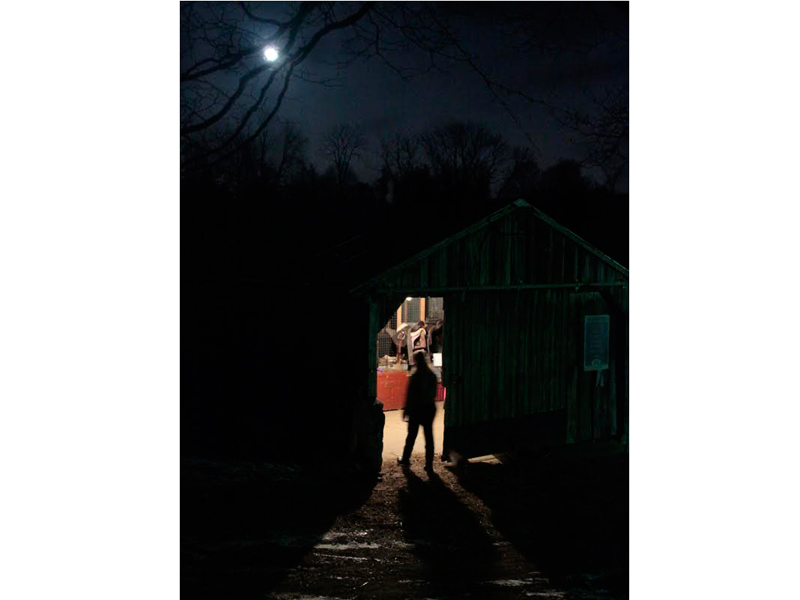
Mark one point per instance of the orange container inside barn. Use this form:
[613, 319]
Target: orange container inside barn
[392, 387]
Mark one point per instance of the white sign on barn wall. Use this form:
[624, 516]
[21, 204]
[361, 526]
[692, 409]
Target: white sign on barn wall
[595, 342]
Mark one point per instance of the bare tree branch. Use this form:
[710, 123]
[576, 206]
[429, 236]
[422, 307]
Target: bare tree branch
[399, 155]
[603, 133]
[288, 65]
[258, 19]
[465, 152]
[341, 145]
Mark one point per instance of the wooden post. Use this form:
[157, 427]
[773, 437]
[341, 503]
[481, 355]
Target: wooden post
[422, 309]
[374, 328]
[398, 365]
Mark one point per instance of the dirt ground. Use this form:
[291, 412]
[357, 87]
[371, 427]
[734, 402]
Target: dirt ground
[544, 527]
[395, 430]
[418, 537]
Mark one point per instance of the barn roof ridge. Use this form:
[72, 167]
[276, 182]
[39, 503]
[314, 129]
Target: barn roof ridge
[498, 214]
[578, 240]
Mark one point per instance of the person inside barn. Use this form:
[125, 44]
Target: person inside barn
[420, 409]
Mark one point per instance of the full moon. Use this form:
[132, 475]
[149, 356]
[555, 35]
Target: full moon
[271, 54]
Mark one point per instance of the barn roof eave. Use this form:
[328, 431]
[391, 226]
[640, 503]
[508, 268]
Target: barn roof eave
[580, 241]
[499, 214]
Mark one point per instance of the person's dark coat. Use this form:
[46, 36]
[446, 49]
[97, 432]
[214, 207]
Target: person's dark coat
[421, 395]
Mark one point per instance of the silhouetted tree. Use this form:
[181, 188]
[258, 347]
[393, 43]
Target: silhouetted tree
[341, 146]
[400, 155]
[292, 152]
[465, 158]
[594, 212]
[602, 132]
[564, 179]
[405, 175]
[522, 178]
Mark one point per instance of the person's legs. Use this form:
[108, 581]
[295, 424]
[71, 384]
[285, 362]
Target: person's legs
[413, 428]
[427, 428]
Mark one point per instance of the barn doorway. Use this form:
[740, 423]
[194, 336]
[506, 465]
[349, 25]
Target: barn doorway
[417, 323]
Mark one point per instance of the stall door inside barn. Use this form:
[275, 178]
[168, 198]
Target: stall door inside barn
[514, 371]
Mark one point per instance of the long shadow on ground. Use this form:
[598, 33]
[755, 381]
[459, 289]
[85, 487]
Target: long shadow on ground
[245, 524]
[567, 514]
[446, 535]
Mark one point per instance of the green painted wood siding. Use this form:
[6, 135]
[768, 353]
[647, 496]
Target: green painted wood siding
[507, 354]
[517, 353]
[516, 250]
[514, 352]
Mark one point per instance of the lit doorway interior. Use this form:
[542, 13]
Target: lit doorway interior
[415, 317]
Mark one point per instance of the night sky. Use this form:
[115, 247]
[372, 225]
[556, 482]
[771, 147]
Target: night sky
[386, 103]
[581, 52]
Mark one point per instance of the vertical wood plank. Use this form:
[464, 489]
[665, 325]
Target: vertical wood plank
[372, 354]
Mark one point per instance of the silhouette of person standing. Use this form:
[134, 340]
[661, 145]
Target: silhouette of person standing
[420, 409]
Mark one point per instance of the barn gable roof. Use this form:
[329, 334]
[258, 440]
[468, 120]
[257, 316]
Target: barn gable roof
[481, 224]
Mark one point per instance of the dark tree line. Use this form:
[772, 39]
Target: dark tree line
[449, 174]
[266, 211]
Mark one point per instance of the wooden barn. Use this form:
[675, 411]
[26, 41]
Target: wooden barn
[535, 335]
